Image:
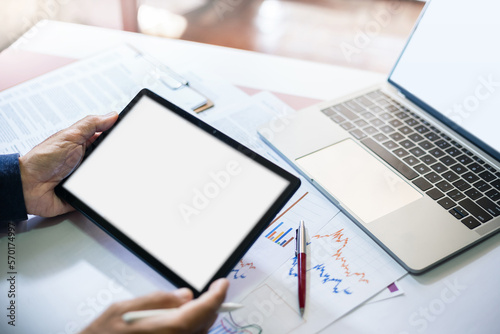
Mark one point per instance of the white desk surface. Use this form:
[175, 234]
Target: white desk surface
[460, 296]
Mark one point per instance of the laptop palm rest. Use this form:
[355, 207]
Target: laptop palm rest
[361, 183]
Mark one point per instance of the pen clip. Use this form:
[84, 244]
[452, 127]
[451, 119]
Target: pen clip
[297, 242]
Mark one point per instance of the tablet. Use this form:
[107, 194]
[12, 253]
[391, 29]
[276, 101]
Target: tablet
[185, 198]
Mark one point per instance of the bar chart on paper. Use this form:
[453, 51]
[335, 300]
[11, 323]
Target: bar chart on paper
[314, 210]
[280, 236]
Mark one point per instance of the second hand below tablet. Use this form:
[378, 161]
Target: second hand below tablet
[137, 315]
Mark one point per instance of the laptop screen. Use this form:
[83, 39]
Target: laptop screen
[451, 68]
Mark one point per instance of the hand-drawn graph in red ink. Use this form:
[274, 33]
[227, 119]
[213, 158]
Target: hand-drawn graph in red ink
[338, 237]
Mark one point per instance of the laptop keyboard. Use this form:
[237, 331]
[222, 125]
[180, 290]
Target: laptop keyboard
[462, 183]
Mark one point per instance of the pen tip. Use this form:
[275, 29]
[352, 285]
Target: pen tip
[302, 312]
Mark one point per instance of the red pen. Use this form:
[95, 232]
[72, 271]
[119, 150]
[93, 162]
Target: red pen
[301, 269]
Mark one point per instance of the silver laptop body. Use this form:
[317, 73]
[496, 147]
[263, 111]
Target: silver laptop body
[414, 161]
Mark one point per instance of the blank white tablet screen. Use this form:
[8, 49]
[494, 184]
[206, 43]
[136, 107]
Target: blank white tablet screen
[181, 194]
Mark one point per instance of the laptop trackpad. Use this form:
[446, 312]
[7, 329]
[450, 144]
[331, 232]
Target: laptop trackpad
[357, 180]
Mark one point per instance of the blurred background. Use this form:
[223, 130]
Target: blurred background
[365, 34]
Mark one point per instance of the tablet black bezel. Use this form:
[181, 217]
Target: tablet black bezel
[128, 243]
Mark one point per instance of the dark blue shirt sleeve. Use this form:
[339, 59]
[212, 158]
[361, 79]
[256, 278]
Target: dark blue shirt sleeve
[12, 207]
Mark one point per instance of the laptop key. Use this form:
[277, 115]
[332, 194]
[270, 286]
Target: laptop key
[402, 115]
[450, 176]
[391, 108]
[417, 151]
[492, 208]
[407, 144]
[458, 212]
[493, 195]
[458, 168]
[386, 129]
[444, 186]
[337, 118]
[455, 195]
[328, 111]
[411, 122]
[347, 113]
[421, 129]
[436, 153]
[422, 169]
[380, 137]
[406, 130]
[376, 109]
[347, 126]
[433, 177]
[428, 160]
[415, 137]
[473, 193]
[478, 159]
[435, 194]
[363, 101]
[496, 184]
[360, 123]
[491, 169]
[464, 159]
[470, 177]
[432, 136]
[353, 105]
[386, 116]
[487, 176]
[395, 123]
[376, 122]
[358, 134]
[390, 158]
[475, 167]
[471, 222]
[482, 186]
[461, 185]
[396, 136]
[442, 144]
[446, 203]
[453, 151]
[466, 151]
[422, 183]
[426, 145]
[411, 160]
[400, 152]
[370, 130]
[439, 168]
[448, 161]
[390, 145]
[475, 210]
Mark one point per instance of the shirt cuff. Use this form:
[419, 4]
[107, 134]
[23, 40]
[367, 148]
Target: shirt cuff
[12, 206]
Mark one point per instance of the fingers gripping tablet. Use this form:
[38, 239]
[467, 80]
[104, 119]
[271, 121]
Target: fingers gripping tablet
[184, 197]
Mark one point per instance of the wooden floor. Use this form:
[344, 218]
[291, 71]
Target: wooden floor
[365, 34]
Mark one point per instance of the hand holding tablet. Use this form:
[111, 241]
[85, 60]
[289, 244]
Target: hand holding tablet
[184, 197]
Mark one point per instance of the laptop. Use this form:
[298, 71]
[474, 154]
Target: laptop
[414, 161]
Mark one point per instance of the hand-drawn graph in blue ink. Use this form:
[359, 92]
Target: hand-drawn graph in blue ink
[332, 268]
[241, 270]
[227, 324]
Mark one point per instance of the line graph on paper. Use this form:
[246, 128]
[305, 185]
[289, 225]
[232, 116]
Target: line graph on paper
[333, 244]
